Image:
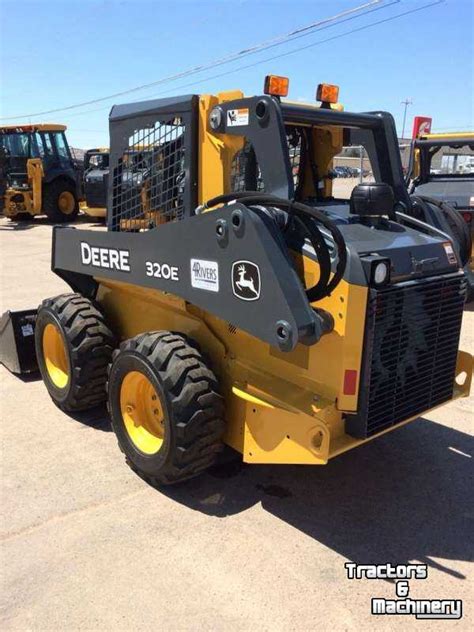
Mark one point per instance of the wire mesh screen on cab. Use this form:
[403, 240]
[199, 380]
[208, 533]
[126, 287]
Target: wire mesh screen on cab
[148, 180]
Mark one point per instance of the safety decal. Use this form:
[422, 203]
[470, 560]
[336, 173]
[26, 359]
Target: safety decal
[237, 117]
[448, 249]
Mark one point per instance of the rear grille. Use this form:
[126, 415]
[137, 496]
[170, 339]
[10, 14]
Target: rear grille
[410, 352]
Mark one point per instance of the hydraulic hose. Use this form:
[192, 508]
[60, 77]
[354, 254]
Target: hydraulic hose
[305, 214]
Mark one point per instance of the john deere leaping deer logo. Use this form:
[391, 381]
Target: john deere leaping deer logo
[246, 280]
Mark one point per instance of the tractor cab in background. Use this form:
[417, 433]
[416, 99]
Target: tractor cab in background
[135, 165]
[96, 171]
[38, 173]
[442, 168]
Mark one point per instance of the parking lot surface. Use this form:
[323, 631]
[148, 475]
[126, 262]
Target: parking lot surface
[87, 545]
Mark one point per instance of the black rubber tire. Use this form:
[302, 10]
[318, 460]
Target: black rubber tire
[192, 407]
[89, 344]
[51, 193]
[458, 228]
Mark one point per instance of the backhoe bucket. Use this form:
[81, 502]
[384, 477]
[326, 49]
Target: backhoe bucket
[17, 341]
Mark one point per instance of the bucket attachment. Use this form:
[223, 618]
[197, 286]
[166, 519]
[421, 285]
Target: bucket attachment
[17, 341]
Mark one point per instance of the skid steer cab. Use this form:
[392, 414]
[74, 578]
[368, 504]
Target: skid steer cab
[96, 171]
[245, 296]
[441, 170]
[37, 173]
[136, 163]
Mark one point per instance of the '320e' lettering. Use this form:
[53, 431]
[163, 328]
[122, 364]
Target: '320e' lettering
[162, 271]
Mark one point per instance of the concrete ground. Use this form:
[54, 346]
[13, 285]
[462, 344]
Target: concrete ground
[87, 545]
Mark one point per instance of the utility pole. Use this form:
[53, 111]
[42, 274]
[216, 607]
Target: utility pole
[407, 102]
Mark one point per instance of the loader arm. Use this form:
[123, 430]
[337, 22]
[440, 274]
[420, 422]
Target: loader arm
[35, 173]
[211, 260]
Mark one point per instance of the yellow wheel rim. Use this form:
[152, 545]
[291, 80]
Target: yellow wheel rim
[66, 202]
[142, 412]
[55, 356]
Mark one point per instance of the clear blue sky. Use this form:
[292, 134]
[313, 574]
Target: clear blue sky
[57, 53]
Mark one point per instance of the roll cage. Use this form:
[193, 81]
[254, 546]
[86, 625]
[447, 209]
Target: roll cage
[176, 130]
[427, 148]
[271, 124]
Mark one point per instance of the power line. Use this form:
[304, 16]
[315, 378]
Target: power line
[285, 54]
[367, 7]
[301, 48]
[229, 72]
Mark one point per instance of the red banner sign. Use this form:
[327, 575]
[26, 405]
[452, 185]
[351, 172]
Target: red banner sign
[421, 126]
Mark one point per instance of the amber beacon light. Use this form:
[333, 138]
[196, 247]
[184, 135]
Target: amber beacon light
[276, 86]
[327, 93]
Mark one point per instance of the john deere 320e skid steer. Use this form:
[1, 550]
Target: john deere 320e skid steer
[237, 299]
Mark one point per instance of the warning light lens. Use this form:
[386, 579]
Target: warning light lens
[350, 382]
[276, 86]
[327, 93]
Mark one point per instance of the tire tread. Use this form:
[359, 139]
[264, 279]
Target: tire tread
[91, 345]
[196, 406]
[51, 193]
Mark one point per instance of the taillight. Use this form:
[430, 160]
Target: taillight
[350, 382]
[467, 217]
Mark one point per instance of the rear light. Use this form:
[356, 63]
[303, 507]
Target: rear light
[471, 200]
[467, 217]
[350, 382]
